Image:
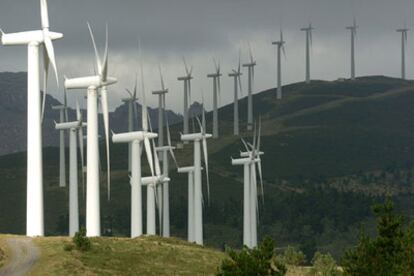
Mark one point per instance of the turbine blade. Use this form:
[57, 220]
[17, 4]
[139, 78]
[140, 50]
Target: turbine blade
[206, 165]
[185, 66]
[161, 78]
[169, 141]
[98, 59]
[65, 103]
[45, 76]
[44, 14]
[104, 72]
[148, 151]
[105, 114]
[51, 54]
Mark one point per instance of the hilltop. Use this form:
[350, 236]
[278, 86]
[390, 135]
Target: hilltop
[331, 150]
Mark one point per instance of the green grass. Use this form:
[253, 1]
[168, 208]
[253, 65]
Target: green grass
[123, 256]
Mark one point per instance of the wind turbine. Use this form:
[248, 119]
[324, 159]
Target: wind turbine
[92, 84]
[308, 31]
[250, 67]
[250, 160]
[131, 101]
[404, 38]
[198, 140]
[237, 84]
[187, 93]
[280, 48]
[34, 40]
[353, 30]
[164, 195]
[73, 128]
[62, 158]
[216, 94]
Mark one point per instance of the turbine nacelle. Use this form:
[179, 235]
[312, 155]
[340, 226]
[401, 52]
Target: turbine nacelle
[244, 161]
[195, 136]
[70, 125]
[25, 38]
[87, 82]
[185, 78]
[151, 180]
[133, 136]
[160, 92]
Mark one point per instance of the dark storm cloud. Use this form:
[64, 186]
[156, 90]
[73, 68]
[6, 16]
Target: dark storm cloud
[170, 29]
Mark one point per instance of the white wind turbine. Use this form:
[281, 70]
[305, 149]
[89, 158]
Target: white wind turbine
[75, 133]
[136, 138]
[92, 84]
[280, 48]
[216, 95]
[404, 38]
[131, 101]
[35, 39]
[308, 30]
[199, 139]
[237, 85]
[187, 94]
[250, 67]
[249, 160]
[353, 30]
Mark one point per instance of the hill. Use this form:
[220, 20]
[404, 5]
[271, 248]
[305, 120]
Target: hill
[331, 150]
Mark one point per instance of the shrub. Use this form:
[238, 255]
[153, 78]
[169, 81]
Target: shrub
[324, 265]
[292, 256]
[391, 252]
[256, 261]
[68, 247]
[80, 240]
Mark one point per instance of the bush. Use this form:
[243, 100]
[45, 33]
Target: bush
[80, 240]
[324, 265]
[68, 247]
[292, 256]
[391, 252]
[257, 261]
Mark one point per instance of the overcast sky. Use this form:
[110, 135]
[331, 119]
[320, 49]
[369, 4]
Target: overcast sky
[203, 29]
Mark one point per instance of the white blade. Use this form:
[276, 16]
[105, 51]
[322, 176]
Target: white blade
[105, 114]
[104, 72]
[98, 60]
[240, 85]
[45, 76]
[169, 141]
[50, 53]
[156, 160]
[259, 165]
[161, 78]
[206, 165]
[44, 14]
[149, 155]
[65, 102]
[80, 137]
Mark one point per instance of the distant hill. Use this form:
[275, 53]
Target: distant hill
[332, 149]
[13, 114]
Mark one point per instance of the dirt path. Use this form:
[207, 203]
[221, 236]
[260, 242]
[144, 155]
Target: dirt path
[23, 255]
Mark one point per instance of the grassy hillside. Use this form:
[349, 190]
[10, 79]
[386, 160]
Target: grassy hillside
[331, 150]
[121, 256]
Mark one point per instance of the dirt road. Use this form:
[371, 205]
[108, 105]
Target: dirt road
[23, 255]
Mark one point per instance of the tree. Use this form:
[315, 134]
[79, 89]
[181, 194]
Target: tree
[257, 261]
[391, 252]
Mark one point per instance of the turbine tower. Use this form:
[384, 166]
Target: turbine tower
[187, 94]
[131, 101]
[353, 30]
[250, 67]
[404, 38]
[75, 134]
[280, 48]
[92, 84]
[308, 30]
[34, 40]
[191, 206]
[237, 84]
[62, 158]
[216, 94]
[199, 139]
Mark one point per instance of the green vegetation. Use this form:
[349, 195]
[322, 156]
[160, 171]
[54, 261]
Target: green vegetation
[2, 253]
[292, 257]
[256, 261]
[391, 252]
[80, 240]
[324, 265]
[123, 256]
